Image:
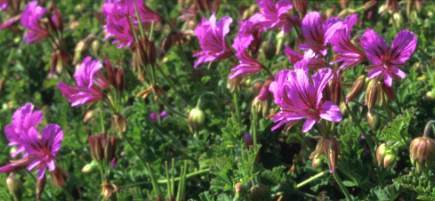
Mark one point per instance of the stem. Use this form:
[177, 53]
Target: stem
[428, 127]
[311, 179]
[147, 167]
[369, 142]
[193, 174]
[342, 187]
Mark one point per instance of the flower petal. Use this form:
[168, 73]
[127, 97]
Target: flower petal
[403, 46]
[374, 46]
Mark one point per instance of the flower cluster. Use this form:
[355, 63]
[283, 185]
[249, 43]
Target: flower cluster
[312, 89]
[38, 150]
[122, 17]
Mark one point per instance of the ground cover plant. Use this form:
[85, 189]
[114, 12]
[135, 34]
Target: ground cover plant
[216, 100]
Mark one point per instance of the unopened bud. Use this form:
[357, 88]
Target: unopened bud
[108, 189]
[300, 6]
[372, 120]
[372, 93]
[385, 156]
[119, 123]
[59, 177]
[40, 185]
[15, 186]
[247, 139]
[316, 161]
[358, 85]
[196, 118]
[88, 116]
[422, 152]
[90, 167]
[389, 160]
[95, 47]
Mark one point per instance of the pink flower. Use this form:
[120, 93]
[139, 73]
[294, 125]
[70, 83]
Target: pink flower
[300, 96]
[156, 116]
[247, 65]
[31, 21]
[387, 60]
[313, 28]
[274, 14]
[339, 36]
[211, 37]
[88, 86]
[4, 4]
[121, 20]
[39, 150]
[23, 119]
[249, 31]
[308, 60]
[42, 149]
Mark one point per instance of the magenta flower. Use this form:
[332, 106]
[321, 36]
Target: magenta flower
[42, 149]
[4, 4]
[387, 60]
[23, 119]
[39, 151]
[120, 16]
[211, 36]
[31, 21]
[339, 36]
[247, 65]
[308, 60]
[300, 96]
[274, 14]
[313, 28]
[249, 31]
[156, 116]
[88, 84]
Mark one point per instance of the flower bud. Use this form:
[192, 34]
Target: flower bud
[238, 187]
[328, 147]
[103, 147]
[389, 160]
[430, 95]
[119, 123]
[356, 88]
[371, 94]
[108, 189]
[300, 6]
[385, 156]
[88, 116]
[422, 152]
[90, 167]
[195, 118]
[316, 161]
[95, 47]
[59, 177]
[372, 120]
[40, 185]
[15, 186]
[247, 139]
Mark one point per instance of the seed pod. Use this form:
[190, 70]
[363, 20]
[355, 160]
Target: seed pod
[358, 85]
